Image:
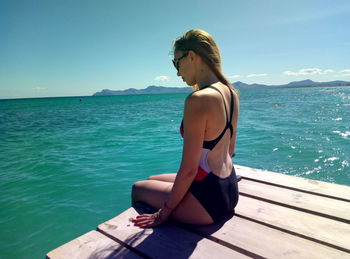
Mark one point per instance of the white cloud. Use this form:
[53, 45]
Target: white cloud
[308, 71]
[256, 75]
[345, 72]
[290, 73]
[328, 71]
[234, 76]
[162, 78]
[38, 88]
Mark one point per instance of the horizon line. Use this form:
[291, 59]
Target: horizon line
[80, 96]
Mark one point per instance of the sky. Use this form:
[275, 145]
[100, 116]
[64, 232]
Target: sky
[52, 48]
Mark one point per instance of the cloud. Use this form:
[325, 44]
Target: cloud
[162, 78]
[328, 71]
[38, 88]
[290, 73]
[256, 75]
[233, 76]
[345, 72]
[308, 71]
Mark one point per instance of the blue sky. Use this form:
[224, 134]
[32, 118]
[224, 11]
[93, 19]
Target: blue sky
[73, 48]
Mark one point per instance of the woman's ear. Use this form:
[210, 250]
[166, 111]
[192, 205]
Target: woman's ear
[193, 55]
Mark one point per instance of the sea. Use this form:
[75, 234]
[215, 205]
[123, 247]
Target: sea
[67, 164]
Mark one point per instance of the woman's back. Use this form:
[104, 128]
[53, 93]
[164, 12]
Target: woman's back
[220, 104]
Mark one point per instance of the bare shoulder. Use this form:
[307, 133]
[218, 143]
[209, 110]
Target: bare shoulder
[203, 97]
[199, 99]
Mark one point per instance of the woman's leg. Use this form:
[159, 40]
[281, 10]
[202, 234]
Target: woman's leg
[163, 177]
[190, 211]
[151, 192]
[155, 192]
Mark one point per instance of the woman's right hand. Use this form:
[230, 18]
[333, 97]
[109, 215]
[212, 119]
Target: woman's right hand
[151, 220]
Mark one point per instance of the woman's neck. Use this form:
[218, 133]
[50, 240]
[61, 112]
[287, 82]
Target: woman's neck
[205, 77]
[207, 81]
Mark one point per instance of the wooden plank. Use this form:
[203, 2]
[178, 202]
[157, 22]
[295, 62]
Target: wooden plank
[278, 216]
[306, 185]
[331, 232]
[267, 242]
[91, 245]
[165, 241]
[335, 209]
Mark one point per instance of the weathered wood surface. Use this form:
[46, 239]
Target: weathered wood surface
[257, 240]
[278, 216]
[296, 222]
[303, 184]
[91, 245]
[314, 204]
[158, 242]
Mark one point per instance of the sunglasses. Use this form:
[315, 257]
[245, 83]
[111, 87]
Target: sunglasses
[176, 61]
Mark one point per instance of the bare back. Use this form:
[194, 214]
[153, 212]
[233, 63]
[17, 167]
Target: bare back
[218, 99]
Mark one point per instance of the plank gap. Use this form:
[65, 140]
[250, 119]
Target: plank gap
[296, 189]
[296, 208]
[295, 234]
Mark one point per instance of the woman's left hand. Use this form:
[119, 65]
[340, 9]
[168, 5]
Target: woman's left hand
[151, 220]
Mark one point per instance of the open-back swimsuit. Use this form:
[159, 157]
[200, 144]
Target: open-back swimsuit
[219, 196]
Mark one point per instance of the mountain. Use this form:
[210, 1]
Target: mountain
[239, 85]
[149, 90]
[304, 83]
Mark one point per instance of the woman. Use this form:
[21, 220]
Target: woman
[205, 188]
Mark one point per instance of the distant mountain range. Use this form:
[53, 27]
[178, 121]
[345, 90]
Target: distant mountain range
[239, 85]
[149, 90]
[295, 84]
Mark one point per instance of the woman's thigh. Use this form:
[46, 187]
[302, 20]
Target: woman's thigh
[163, 177]
[155, 193]
[190, 211]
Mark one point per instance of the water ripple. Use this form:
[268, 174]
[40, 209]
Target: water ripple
[66, 164]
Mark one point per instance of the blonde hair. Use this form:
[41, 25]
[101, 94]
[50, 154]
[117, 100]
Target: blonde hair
[203, 44]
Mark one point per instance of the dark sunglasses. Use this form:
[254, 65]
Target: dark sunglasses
[176, 61]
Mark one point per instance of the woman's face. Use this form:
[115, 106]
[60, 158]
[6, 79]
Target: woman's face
[184, 67]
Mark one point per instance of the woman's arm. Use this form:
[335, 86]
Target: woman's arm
[195, 119]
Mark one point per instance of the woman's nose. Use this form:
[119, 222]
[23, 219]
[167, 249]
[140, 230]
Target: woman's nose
[178, 73]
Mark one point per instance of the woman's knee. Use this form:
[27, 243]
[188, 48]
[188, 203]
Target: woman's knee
[157, 177]
[152, 177]
[163, 177]
[153, 193]
[136, 187]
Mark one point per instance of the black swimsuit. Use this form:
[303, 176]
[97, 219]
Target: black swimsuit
[219, 196]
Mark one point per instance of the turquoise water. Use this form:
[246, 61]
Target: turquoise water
[67, 165]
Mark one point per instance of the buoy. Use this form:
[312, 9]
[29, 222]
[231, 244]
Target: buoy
[276, 105]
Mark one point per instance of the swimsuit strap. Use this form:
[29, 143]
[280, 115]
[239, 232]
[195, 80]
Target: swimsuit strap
[213, 87]
[212, 143]
[228, 121]
[231, 112]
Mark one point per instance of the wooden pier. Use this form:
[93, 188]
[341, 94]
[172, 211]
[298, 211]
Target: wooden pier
[277, 216]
